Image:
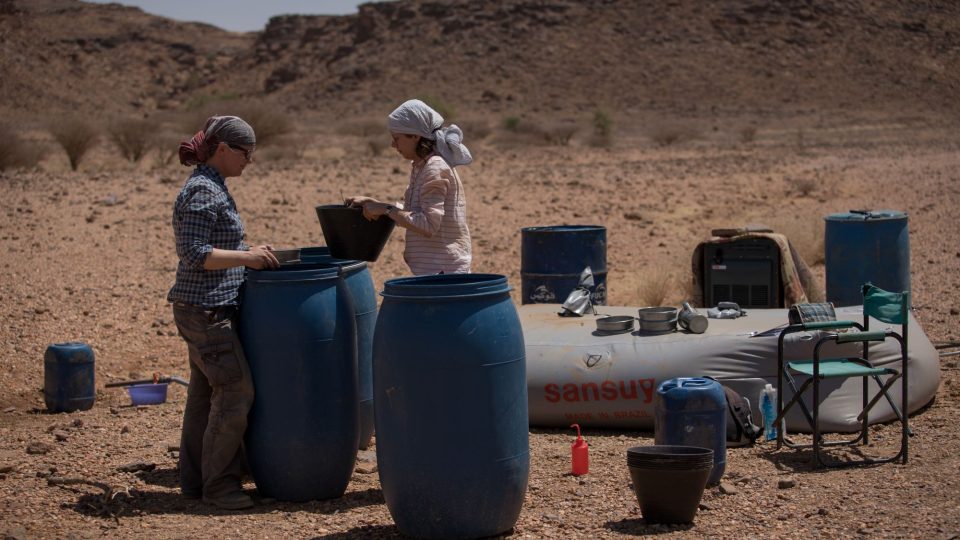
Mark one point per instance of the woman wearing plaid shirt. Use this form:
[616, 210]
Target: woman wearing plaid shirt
[209, 238]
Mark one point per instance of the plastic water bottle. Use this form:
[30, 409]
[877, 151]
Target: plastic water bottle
[768, 408]
[579, 455]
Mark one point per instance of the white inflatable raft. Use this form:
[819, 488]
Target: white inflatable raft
[575, 374]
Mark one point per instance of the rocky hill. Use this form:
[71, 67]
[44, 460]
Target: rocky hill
[546, 56]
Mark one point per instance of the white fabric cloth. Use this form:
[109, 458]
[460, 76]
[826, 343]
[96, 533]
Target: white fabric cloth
[415, 117]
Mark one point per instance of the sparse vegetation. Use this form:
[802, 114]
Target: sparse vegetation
[602, 136]
[560, 134]
[132, 137]
[802, 186]
[167, 146]
[806, 237]
[748, 134]
[656, 285]
[76, 136]
[445, 109]
[511, 123]
[366, 128]
[202, 101]
[16, 152]
[476, 130]
[602, 124]
[269, 121]
[377, 144]
[667, 134]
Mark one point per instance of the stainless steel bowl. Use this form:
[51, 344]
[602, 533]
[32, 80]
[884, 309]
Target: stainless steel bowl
[615, 323]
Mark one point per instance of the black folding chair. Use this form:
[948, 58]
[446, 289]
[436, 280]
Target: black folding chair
[887, 307]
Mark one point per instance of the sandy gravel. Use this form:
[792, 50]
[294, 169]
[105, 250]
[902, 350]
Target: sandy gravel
[89, 256]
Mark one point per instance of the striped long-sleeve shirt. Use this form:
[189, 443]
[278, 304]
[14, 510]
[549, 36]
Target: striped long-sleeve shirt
[435, 216]
[205, 217]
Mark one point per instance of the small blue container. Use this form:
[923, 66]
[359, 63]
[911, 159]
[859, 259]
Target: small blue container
[68, 377]
[692, 411]
[862, 246]
[552, 259]
[148, 394]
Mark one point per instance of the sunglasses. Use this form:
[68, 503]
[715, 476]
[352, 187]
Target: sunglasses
[247, 152]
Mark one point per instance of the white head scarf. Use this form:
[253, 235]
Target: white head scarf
[415, 117]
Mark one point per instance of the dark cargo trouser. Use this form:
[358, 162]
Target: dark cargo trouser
[218, 400]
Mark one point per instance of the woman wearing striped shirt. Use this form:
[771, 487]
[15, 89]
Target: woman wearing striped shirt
[434, 209]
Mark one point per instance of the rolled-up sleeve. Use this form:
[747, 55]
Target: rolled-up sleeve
[197, 216]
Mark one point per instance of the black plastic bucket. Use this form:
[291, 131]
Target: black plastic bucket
[669, 480]
[349, 235]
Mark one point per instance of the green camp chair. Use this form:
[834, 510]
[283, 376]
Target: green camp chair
[890, 308]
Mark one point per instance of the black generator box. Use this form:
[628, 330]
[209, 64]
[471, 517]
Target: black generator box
[745, 271]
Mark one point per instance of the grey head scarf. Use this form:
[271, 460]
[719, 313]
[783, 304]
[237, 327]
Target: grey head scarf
[228, 129]
[415, 117]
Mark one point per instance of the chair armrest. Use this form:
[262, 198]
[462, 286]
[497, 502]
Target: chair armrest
[826, 325]
[859, 337]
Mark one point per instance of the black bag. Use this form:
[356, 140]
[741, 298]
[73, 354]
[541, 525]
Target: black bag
[741, 431]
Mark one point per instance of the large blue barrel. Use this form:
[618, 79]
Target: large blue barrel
[360, 284]
[862, 246]
[552, 259]
[298, 332]
[692, 411]
[68, 377]
[450, 394]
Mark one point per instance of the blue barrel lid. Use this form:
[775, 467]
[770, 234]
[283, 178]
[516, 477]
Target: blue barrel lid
[867, 215]
[445, 286]
[563, 228]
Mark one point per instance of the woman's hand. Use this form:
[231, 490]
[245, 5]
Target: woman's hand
[373, 209]
[358, 200]
[260, 257]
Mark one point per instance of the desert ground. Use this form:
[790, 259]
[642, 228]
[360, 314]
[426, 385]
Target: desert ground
[89, 257]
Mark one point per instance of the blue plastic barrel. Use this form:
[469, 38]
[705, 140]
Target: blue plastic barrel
[862, 246]
[68, 377]
[692, 411]
[450, 394]
[298, 331]
[552, 259]
[360, 284]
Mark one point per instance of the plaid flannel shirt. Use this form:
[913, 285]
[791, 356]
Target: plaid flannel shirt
[205, 217]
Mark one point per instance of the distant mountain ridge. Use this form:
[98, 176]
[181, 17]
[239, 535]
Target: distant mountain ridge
[546, 56]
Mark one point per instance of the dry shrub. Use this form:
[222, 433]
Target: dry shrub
[286, 149]
[656, 285]
[511, 123]
[747, 134]
[76, 136]
[475, 130]
[269, 122]
[132, 137]
[166, 145]
[16, 152]
[669, 134]
[438, 104]
[802, 186]
[559, 134]
[806, 237]
[376, 144]
[366, 128]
